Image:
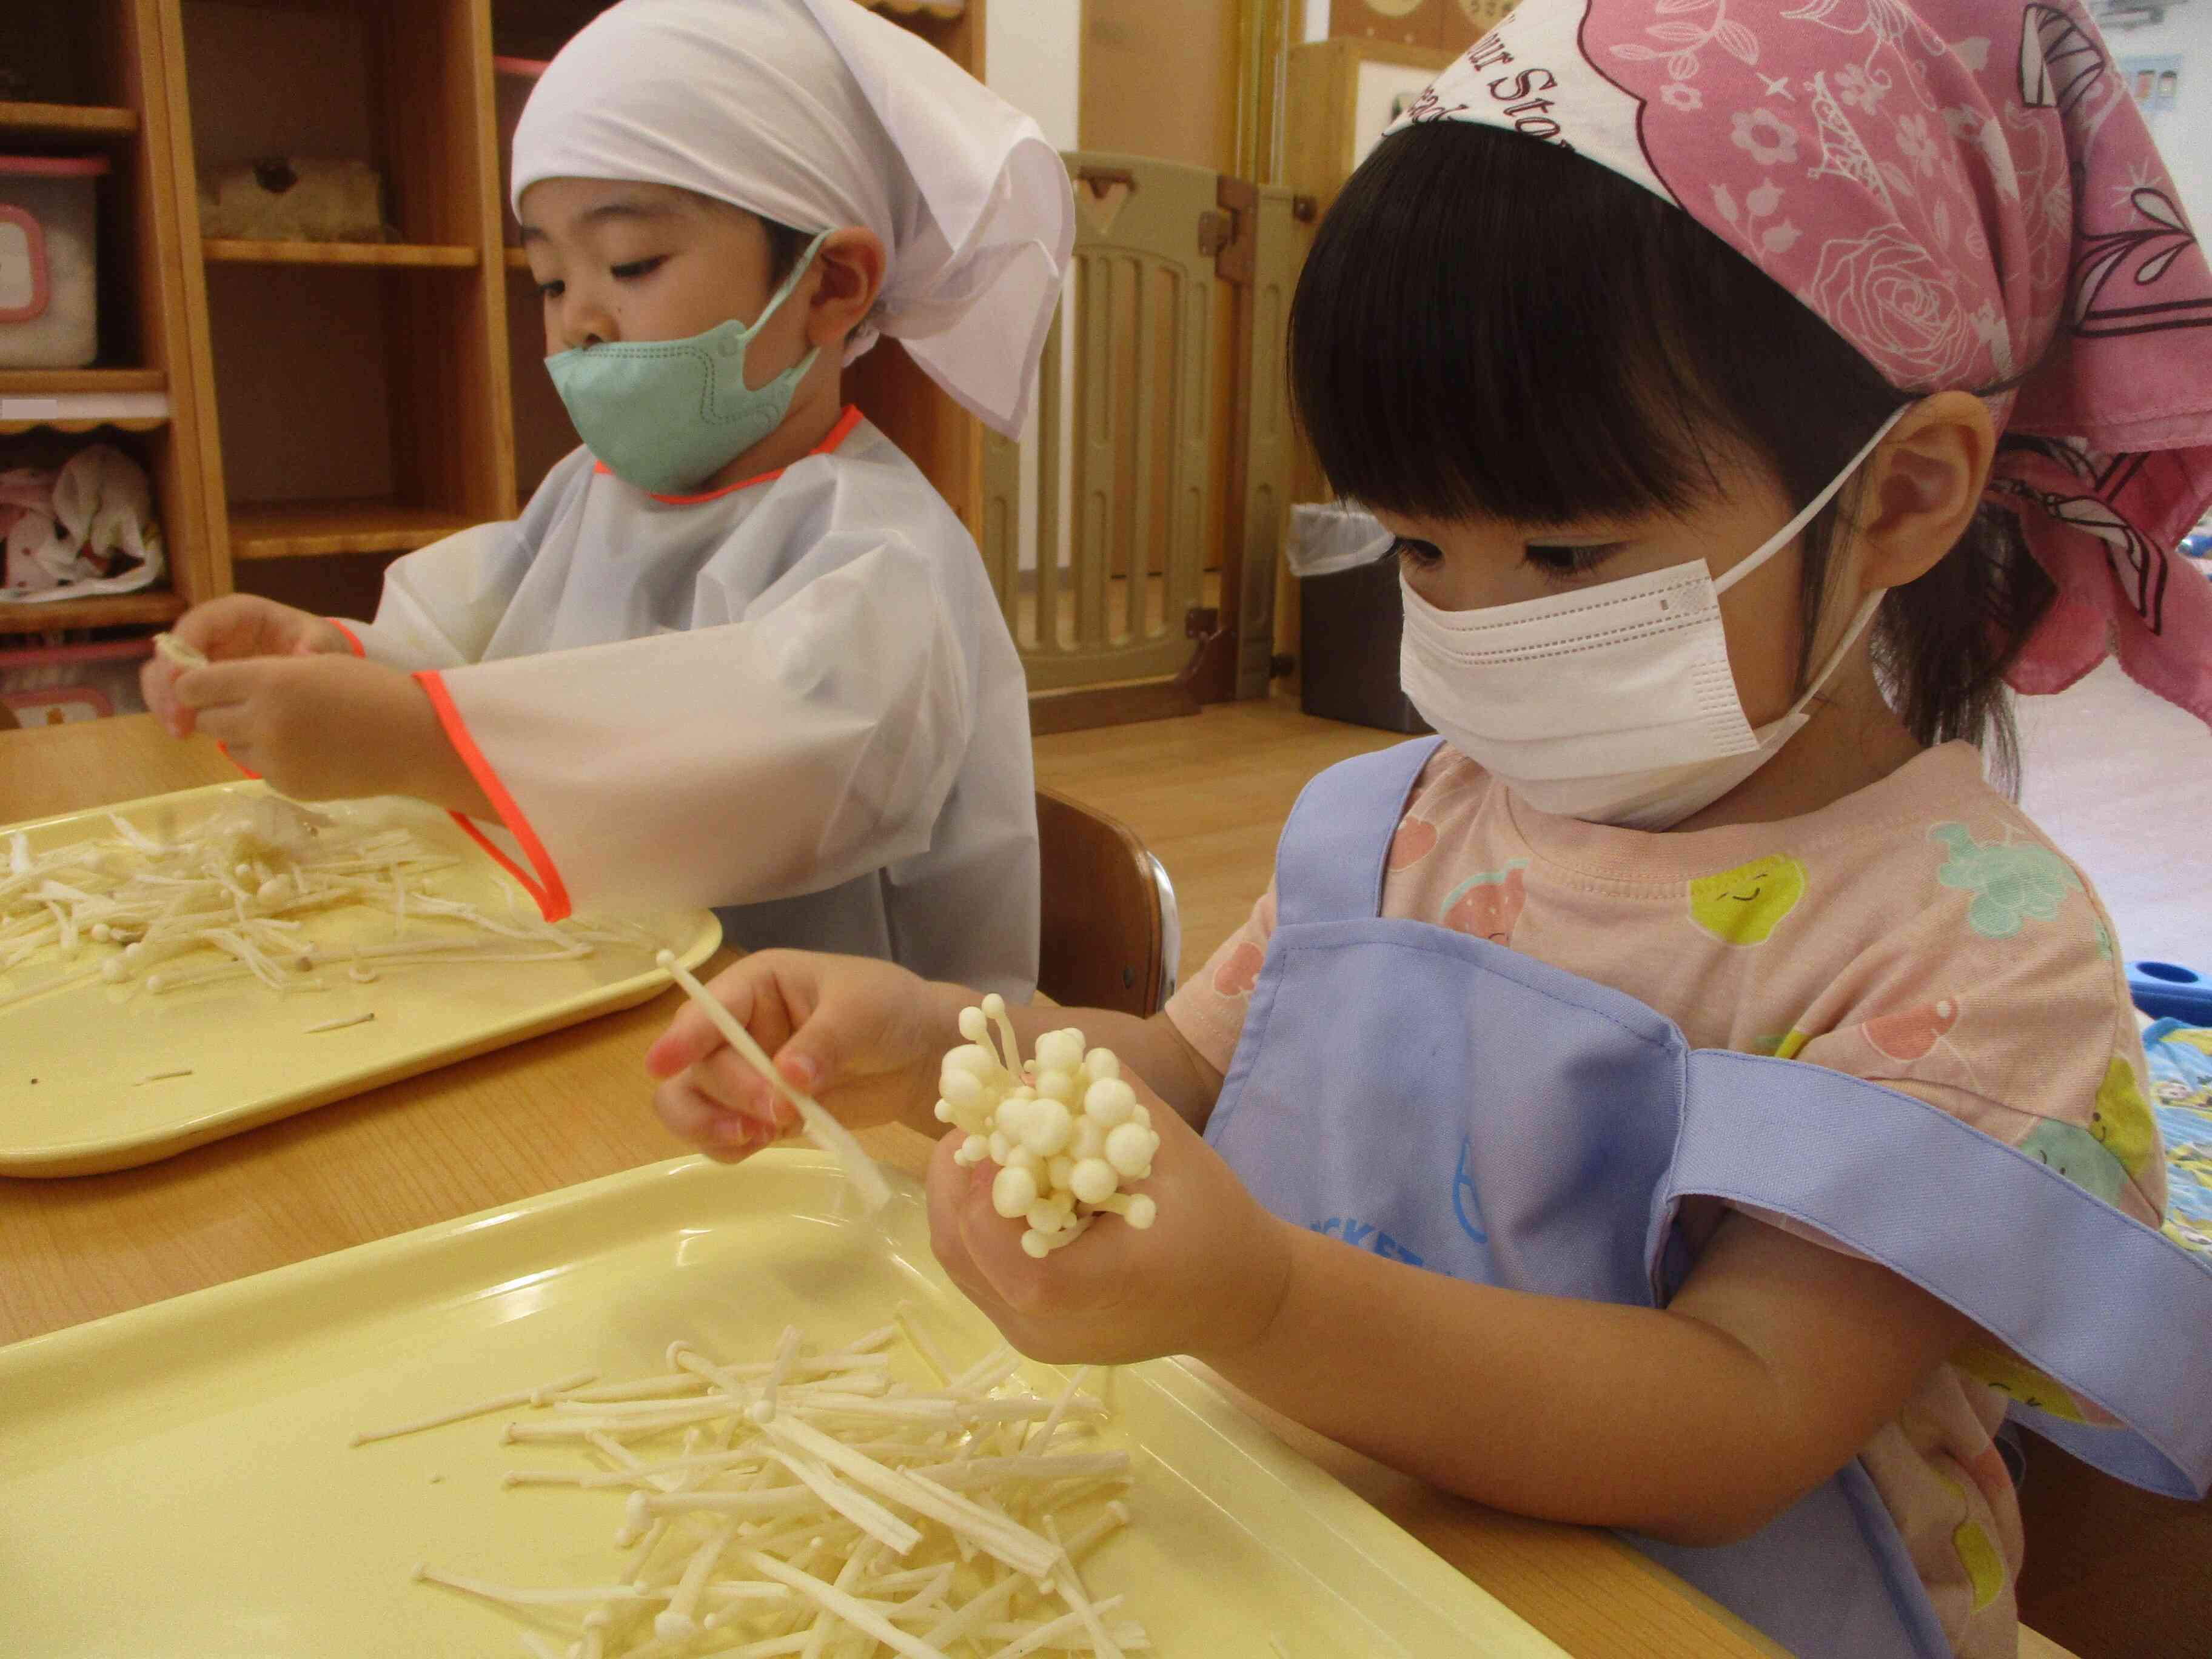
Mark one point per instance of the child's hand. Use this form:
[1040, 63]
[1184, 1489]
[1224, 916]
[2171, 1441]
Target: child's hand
[326, 727]
[864, 1037]
[1205, 1278]
[225, 630]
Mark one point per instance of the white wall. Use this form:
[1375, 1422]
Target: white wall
[1033, 58]
[2184, 134]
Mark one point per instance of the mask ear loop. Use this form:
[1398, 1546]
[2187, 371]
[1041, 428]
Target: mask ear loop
[790, 283]
[1791, 531]
[798, 371]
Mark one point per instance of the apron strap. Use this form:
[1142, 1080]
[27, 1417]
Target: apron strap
[1328, 866]
[2107, 1307]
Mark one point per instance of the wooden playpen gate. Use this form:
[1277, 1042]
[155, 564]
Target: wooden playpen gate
[1132, 589]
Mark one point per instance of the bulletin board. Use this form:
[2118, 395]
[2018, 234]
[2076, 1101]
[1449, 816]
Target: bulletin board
[2158, 85]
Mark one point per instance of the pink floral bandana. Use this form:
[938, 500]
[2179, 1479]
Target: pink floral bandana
[1963, 190]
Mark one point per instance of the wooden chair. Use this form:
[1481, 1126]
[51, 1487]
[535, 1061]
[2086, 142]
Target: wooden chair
[1111, 932]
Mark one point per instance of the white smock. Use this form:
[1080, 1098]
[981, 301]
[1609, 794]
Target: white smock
[794, 700]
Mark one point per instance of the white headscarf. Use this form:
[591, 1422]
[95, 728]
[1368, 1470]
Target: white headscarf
[818, 114]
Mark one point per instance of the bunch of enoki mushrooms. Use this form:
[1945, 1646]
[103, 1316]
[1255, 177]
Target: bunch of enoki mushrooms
[259, 889]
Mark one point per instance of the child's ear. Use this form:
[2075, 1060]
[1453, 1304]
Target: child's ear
[1923, 486]
[850, 274]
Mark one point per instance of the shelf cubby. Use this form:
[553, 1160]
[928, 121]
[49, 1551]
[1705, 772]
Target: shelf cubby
[97, 83]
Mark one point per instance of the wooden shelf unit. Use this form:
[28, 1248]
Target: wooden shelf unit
[80, 428]
[229, 250]
[357, 392]
[152, 607]
[144, 332]
[67, 120]
[60, 382]
[294, 530]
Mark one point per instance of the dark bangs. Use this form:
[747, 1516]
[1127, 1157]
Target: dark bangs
[1489, 326]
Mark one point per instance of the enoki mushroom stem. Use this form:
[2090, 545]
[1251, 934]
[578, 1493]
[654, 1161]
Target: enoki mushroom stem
[811, 1531]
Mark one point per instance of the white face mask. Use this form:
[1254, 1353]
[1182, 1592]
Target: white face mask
[1614, 703]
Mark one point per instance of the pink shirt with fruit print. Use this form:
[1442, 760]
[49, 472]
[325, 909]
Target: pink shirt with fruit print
[1920, 934]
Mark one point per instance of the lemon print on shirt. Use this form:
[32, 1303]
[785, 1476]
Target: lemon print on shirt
[2123, 1121]
[2014, 1378]
[1978, 1556]
[1745, 905]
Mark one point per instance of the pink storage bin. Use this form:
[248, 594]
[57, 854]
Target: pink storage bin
[54, 685]
[49, 291]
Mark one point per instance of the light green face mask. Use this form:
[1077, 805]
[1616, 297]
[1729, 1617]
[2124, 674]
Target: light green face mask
[664, 414]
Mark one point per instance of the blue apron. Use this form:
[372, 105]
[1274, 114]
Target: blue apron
[1364, 1103]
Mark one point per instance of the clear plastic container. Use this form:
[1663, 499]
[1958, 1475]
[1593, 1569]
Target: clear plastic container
[49, 287]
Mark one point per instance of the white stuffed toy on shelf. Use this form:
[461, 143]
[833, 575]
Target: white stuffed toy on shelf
[1066, 1132]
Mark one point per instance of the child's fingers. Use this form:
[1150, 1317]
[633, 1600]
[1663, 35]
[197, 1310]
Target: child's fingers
[694, 1118]
[775, 996]
[157, 682]
[834, 1031]
[227, 723]
[692, 1035]
[950, 1190]
[729, 1079]
[219, 685]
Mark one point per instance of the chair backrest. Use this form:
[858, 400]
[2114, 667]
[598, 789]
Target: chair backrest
[1111, 932]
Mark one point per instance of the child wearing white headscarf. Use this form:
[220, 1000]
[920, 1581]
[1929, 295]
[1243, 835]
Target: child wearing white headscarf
[736, 651]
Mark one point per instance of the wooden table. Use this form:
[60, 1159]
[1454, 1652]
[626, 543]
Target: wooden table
[568, 1108]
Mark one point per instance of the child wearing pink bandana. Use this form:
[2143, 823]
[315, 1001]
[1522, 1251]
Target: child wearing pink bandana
[1685, 1097]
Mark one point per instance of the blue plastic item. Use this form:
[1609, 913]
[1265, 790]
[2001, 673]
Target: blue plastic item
[2166, 990]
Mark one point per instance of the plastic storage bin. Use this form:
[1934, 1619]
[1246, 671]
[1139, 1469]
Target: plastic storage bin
[1349, 619]
[53, 685]
[49, 294]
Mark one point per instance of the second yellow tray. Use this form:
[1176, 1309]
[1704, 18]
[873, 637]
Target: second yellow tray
[71, 1101]
[178, 1482]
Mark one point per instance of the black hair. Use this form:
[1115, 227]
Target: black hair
[1490, 326]
[785, 247]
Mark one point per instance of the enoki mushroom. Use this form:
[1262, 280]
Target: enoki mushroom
[809, 1504]
[177, 651]
[1066, 1132]
[240, 894]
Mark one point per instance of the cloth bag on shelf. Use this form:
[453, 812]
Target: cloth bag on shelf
[87, 528]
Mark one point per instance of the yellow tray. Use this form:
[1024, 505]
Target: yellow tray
[178, 1482]
[247, 1048]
